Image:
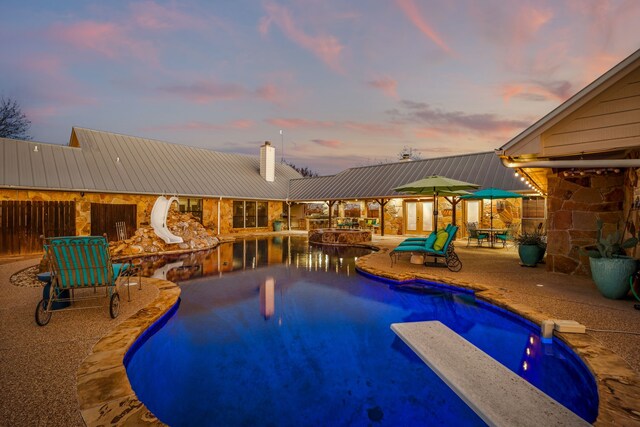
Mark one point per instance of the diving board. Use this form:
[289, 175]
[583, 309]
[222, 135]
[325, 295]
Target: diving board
[497, 395]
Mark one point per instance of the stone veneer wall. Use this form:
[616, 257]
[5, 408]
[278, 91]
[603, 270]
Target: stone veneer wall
[144, 205]
[573, 206]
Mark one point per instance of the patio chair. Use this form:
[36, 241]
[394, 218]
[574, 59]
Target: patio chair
[413, 240]
[474, 234]
[430, 248]
[508, 235]
[75, 263]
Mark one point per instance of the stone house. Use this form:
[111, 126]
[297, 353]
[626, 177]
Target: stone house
[584, 156]
[100, 178]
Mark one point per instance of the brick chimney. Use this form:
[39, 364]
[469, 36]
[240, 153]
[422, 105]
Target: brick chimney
[268, 162]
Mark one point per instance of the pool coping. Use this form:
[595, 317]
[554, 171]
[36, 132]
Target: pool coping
[105, 395]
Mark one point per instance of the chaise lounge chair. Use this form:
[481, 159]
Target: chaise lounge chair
[438, 246]
[76, 263]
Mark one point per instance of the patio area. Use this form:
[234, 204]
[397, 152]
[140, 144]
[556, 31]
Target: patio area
[40, 365]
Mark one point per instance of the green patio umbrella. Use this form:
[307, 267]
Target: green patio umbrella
[491, 193]
[435, 186]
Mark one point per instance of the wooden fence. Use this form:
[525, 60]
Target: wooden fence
[104, 218]
[23, 222]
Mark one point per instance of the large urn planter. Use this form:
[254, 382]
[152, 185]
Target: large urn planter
[530, 255]
[611, 275]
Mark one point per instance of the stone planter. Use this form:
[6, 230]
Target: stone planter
[277, 225]
[611, 275]
[530, 255]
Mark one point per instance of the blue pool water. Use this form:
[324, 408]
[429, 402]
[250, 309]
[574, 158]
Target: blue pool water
[296, 338]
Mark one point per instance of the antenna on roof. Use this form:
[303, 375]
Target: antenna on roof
[282, 145]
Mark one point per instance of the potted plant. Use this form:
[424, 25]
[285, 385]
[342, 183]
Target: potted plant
[277, 224]
[531, 247]
[610, 266]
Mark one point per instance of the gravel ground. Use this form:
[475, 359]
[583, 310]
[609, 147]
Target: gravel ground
[39, 364]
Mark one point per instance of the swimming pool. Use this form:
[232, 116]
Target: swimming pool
[295, 338]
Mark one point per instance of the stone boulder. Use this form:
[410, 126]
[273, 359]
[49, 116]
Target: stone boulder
[145, 241]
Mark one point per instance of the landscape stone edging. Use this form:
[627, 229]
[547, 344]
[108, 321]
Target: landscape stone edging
[104, 393]
[618, 385]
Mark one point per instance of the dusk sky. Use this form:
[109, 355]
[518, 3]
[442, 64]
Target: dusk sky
[350, 83]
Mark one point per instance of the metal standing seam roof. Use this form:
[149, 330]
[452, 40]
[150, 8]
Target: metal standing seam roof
[378, 181]
[114, 163]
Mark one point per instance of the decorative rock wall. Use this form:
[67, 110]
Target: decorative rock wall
[339, 237]
[574, 204]
[145, 240]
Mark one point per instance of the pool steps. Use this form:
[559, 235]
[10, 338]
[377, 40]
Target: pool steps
[497, 395]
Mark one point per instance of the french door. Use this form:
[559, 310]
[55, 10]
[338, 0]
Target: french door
[418, 217]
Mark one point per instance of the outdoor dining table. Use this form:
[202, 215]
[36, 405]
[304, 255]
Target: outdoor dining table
[492, 233]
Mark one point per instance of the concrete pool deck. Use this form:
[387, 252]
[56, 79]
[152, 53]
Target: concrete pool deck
[50, 374]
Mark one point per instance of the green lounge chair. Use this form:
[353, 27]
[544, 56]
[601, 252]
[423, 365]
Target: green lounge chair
[451, 259]
[76, 263]
[413, 240]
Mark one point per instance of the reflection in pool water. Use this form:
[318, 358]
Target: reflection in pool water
[293, 337]
[246, 254]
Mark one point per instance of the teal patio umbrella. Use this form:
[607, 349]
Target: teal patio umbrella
[491, 193]
[435, 186]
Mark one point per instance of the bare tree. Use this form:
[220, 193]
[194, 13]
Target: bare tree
[13, 122]
[304, 171]
[409, 153]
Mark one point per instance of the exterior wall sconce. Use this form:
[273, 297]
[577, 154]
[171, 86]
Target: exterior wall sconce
[35, 149]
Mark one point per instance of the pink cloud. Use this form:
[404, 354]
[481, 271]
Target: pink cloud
[153, 16]
[203, 92]
[198, 126]
[411, 11]
[329, 143]
[387, 85]
[327, 48]
[270, 92]
[264, 25]
[105, 38]
[537, 91]
[372, 128]
[52, 85]
[299, 123]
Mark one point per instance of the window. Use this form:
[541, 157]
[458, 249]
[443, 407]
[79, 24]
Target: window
[352, 210]
[373, 210]
[250, 214]
[193, 206]
[533, 213]
[263, 218]
[238, 214]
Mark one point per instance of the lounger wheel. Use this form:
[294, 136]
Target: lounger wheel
[453, 262]
[42, 315]
[114, 305]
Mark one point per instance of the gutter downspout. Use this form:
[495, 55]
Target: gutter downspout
[219, 203]
[611, 163]
[288, 215]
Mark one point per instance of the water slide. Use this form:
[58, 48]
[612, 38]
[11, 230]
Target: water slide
[159, 219]
[161, 273]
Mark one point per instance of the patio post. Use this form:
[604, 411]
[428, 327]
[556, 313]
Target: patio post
[454, 200]
[382, 203]
[330, 203]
